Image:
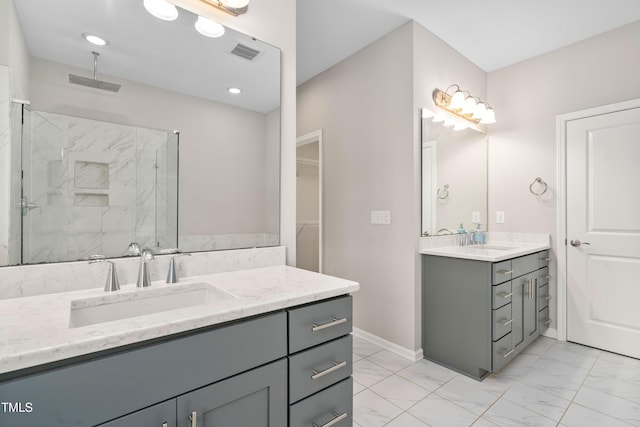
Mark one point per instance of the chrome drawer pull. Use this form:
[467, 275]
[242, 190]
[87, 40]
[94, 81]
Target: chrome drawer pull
[546, 322]
[547, 259]
[194, 419]
[165, 424]
[505, 272]
[547, 298]
[506, 295]
[334, 322]
[507, 354]
[548, 276]
[507, 322]
[334, 421]
[335, 367]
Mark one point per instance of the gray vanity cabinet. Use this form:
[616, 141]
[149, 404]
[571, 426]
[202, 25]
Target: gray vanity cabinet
[478, 315]
[160, 415]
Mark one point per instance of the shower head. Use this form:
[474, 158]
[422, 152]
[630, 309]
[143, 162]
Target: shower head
[94, 82]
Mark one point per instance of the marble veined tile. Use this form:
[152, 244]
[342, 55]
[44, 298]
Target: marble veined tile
[438, 412]
[555, 377]
[539, 346]
[608, 404]
[617, 375]
[579, 416]
[389, 360]
[371, 410]
[573, 354]
[368, 373]
[357, 387]
[400, 392]
[406, 420]
[466, 395]
[364, 348]
[543, 403]
[505, 413]
[427, 374]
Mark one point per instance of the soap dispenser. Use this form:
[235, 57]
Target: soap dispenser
[461, 229]
[479, 237]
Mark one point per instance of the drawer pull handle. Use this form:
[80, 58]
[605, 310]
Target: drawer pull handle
[334, 322]
[507, 322]
[506, 295]
[505, 272]
[165, 424]
[335, 367]
[508, 353]
[194, 419]
[547, 259]
[547, 298]
[546, 322]
[334, 421]
[548, 276]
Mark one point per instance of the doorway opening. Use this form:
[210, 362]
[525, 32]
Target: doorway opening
[309, 201]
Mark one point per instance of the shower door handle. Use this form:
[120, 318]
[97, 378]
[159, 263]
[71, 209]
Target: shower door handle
[26, 206]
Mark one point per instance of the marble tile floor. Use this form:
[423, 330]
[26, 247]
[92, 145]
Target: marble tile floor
[551, 383]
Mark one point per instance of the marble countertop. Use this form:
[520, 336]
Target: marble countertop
[492, 251]
[36, 330]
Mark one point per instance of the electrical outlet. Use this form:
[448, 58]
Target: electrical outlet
[381, 217]
[475, 217]
[499, 217]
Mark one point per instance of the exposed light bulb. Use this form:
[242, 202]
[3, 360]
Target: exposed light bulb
[479, 111]
[489, 117]
[208, 27]
[469, 105]
[457, 100]
[161, 9]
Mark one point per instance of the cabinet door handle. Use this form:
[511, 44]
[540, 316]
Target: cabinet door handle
[547, 298]
[335, 367]
[506, 295]
[508, 353]
[334, 322]
[507, 322]
[548, 276]
[194, 419]
[546, 322]
[337, 418]
[505, 272]
[165, 424]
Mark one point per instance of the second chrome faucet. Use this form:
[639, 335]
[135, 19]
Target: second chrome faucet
[146, 255]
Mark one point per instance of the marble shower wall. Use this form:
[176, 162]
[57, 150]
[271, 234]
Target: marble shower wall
[5, 153]
[96, 185]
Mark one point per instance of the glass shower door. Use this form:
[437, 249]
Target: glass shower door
[43, 223]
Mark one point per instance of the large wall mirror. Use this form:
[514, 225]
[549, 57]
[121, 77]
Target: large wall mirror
[152, 146]
[454, 179]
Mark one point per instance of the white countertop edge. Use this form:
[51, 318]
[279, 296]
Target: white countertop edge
[492, 255]
[90, 339]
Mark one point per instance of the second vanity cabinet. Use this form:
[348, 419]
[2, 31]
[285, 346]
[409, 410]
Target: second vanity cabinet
[478, 315]
[289, 367]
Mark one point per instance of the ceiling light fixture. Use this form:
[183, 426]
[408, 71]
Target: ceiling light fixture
[208, 27]
[232, 7]
[235, 90]
[161, 9]
[93, 39]
[464, 105]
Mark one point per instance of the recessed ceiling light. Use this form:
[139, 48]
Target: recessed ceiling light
[93, 39]
[235, 90]
[208, 27]
[161, 9]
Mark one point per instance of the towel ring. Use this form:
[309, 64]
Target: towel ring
[542, 183]
[443, 193]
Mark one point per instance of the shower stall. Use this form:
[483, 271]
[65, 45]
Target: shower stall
[88, 187]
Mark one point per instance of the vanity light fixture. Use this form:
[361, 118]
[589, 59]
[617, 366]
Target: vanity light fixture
[93, 39]
[464, 105]
[232, 7]
[208, 27]
[161, 9]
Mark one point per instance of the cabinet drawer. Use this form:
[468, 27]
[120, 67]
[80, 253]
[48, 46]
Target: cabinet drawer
[544, 319]
[502, 352]
[334, 404]
[525, 264]
[502, 321]
[544, 276]
[543, 295]
[317, 323]
[319, 367]
[502, 272]
[502, 294]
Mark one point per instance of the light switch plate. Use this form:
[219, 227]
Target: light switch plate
[499, 217]
[475, 217]
[380, 217]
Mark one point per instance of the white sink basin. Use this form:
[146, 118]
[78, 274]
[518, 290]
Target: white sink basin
[118, 306]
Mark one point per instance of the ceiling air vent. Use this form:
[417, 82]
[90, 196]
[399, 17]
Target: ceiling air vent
[245, 52]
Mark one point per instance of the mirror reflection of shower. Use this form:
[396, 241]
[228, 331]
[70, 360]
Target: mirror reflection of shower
[91, 187]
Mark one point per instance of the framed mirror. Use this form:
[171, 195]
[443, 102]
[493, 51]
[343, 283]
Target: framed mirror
[454, 179]
[217, 98]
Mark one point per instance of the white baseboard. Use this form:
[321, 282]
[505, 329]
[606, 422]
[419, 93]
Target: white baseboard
[411, 355]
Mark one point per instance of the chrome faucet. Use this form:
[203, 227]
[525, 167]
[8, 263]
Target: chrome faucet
[172, 276]
[146, 255]
[113, 284]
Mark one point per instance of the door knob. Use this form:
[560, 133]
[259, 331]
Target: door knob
[576, 242]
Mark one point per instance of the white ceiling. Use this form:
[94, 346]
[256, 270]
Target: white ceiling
[490, 33]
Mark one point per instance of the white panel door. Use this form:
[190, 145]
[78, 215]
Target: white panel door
[603, 231]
